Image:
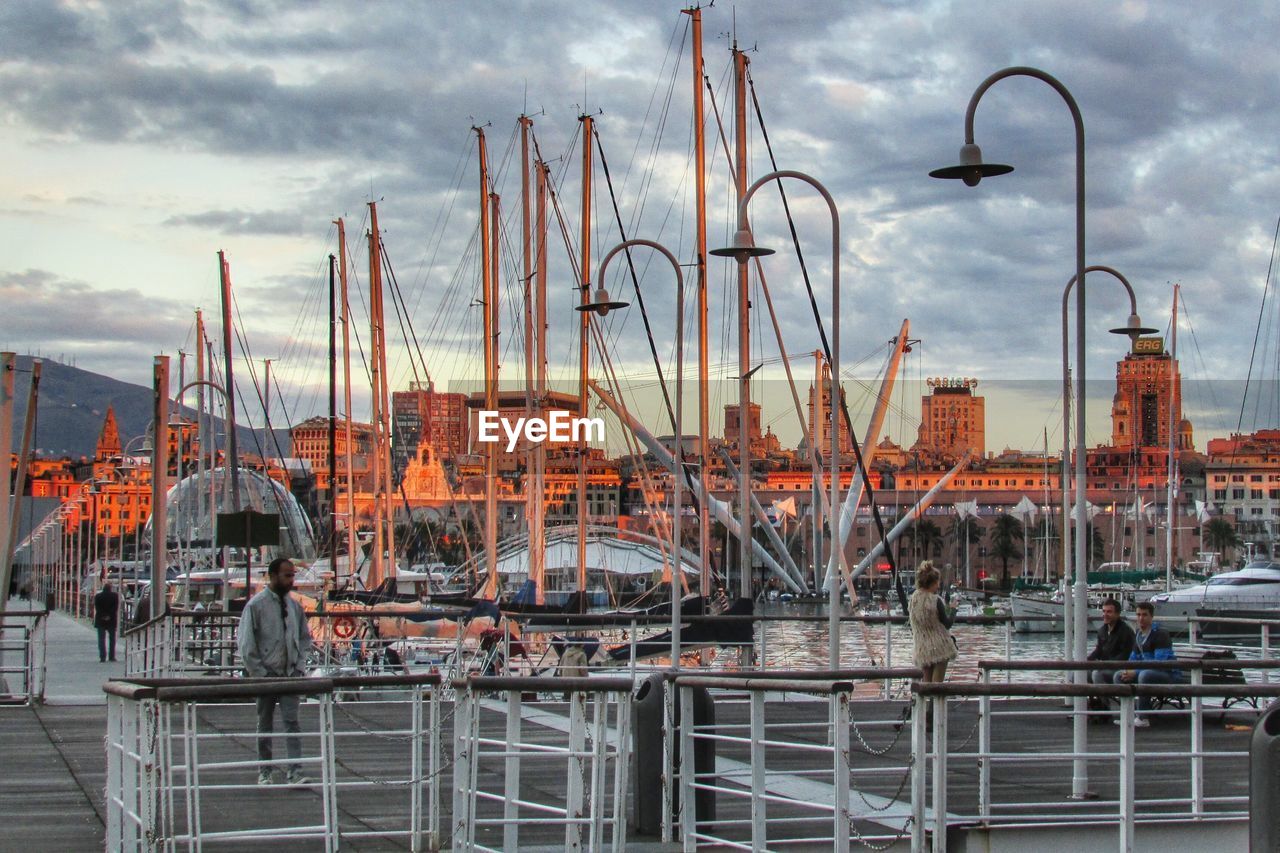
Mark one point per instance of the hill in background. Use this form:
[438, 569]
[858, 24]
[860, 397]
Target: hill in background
[73, 403]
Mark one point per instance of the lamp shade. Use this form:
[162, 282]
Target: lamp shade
[971, 169]
[743, 249]
[600, 303]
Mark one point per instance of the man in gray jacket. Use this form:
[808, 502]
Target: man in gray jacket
[274, 640]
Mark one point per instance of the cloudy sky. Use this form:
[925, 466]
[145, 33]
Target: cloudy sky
[142, 137]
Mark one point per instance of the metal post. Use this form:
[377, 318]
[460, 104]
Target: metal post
[599, 757]
[840, 829]
[759, 760]
[511, 775]
[984, 747]
[1127, 768]
[688, 772]
[577, 767]
[919, 769]
[939, 774]
[1197, 747]
[669, 800]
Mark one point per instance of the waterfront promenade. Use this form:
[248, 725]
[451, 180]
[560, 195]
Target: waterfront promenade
[55, 766]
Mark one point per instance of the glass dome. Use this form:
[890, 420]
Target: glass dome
[193, 503]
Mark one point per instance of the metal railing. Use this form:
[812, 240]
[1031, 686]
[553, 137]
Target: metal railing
[795, 773]
[1000, 708]
[180, 758]
[22, 656]
[499, 774]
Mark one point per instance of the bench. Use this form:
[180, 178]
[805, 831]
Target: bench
[1212, 675]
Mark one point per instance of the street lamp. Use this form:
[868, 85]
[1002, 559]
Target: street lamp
[1134, 329]
[602, 305]
[971, 170]
[742, 250]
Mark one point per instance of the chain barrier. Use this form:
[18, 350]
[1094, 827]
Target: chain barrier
[898, 728]
[871, 845]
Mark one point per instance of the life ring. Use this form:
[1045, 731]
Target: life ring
[344, 627]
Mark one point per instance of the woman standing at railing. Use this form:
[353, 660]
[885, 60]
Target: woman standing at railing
[930, 621]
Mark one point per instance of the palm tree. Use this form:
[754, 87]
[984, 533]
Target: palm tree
[965, 533]
[1221, 536]
[1006, 543]
[926, 538]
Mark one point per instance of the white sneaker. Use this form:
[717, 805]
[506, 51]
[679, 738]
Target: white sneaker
[264, 777]
[296, 778]
[1138, 723]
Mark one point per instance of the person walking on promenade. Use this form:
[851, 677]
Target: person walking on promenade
[930, 624]
[106, 618]
[273, 641]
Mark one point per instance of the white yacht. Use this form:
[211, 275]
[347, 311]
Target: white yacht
[1250, 593]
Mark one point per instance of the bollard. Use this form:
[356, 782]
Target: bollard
[1264, 781]
[647, 710]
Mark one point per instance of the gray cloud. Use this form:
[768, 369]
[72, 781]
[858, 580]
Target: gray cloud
[1177, 101]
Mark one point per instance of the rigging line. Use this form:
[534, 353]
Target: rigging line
[397, 301]
[1199, 355]
[826, 346]
[444, 214]
[1266, 288]
[1257, 330]
[635, 286]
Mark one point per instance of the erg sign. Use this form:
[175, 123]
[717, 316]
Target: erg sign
[559, 427]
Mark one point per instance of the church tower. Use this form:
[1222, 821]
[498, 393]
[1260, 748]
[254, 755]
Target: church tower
[109, 439]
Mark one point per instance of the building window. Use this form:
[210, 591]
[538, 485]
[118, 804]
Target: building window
[1237, 494]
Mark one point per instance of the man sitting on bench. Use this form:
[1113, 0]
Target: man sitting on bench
[1151, 642]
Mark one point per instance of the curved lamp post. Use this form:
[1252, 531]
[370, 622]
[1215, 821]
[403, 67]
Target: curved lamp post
[602, 305]
[971, 170]
[1134, 329]
[742, 250]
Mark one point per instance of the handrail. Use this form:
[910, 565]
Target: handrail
[758, 685]
[1050, 689]
[215, 689]
[554, 684]
[1118, 665]
[866, 673]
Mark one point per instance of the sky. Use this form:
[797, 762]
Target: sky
[140, 138]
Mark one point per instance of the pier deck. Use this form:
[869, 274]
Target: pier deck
[54, 767]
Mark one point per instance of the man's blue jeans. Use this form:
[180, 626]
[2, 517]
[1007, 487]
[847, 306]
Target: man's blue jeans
[1147, 676]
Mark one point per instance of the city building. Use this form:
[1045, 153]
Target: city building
[820, 425]
[309, 442]
[953, 419]
[1242, 479]
[421, 416]
[1148, 399]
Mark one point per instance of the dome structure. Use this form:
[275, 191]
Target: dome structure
[193, 503]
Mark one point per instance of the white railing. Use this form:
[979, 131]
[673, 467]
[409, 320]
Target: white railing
[181, 760]
[1007, 719]
[22, 656]
[575, 746]
[782, 778]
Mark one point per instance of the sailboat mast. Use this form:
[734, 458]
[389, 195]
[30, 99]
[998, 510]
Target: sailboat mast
[201, 435]
[233, 456]
[537, 544]
[584, 321]
[333, 414]
[492, 403]
[532, 497]
[1169, 516]
[744, 335]
[700, 214]
[346, 399]
[382, 542]
[490, 370]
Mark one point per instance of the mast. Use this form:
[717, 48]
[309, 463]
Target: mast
[584, 322]
[201, 437]
[346, 397]
[491, 402]
[819, 408]
[490, 371]
[232, 463]
[537, 542]
[1173, 444]
[383, 538]
[333, 416]
[700, 213]
[532, 336]
[744, 337]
